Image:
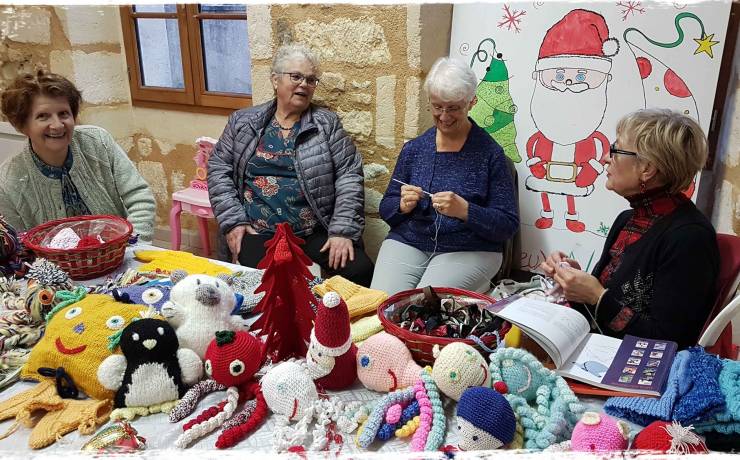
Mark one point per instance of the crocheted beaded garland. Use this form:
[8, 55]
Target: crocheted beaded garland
[544, 404]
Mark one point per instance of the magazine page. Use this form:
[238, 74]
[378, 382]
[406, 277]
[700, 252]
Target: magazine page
[558, 329]
[591, 360]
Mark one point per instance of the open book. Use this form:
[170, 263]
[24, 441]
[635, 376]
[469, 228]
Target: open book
[632, 365]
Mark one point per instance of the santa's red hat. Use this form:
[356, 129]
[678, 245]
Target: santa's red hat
[579, 41]
[331, 333]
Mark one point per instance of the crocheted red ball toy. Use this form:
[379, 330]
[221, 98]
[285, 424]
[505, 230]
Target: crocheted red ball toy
[671, 438]
[233, 358]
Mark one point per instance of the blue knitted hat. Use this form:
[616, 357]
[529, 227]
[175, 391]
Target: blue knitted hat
[487, 410]
[728, 420]
[703, 396]
[644, 411]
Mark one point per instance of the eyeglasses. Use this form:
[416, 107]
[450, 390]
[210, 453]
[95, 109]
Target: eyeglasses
[613, 149]
[454, 110]
[297, 78]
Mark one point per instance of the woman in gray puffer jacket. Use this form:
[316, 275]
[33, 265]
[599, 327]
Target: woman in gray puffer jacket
[290, 161]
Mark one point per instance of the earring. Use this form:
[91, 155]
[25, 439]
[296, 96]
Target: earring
[643, 188]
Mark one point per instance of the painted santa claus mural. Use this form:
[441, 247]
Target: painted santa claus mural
[567, 153]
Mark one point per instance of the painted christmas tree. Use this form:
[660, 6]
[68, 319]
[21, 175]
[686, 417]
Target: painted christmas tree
[287, 316]
[495, 108]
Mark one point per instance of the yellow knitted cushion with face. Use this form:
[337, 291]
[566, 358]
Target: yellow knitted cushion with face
[360, 300]
[76, 339]
[167, 261]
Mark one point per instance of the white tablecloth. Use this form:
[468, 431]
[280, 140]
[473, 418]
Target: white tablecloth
[161, 434]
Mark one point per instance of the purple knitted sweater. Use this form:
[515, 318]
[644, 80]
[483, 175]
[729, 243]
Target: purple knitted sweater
[478, 173]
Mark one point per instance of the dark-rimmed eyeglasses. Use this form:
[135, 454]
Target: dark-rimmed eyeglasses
[297, 78]
[613, 149]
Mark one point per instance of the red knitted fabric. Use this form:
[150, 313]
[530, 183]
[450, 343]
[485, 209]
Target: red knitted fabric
[207, 414]
[233, 435]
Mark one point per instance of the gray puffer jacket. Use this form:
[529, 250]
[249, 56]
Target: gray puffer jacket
[328, 165]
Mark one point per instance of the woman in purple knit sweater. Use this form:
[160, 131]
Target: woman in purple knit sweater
[450, 203]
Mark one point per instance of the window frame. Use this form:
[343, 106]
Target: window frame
[193, 97]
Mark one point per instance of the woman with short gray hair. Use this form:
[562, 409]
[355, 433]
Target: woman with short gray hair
[291, 161]
[450, 203]
[657, 274]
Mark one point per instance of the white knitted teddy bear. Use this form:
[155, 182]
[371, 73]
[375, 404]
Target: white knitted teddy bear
[199, 306]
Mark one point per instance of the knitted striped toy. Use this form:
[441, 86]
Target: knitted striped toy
[544, 404]
[457, 367]
[385, 364]
[485, 420]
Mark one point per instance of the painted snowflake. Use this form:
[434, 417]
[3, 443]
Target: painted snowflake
[630, 8]
[638, 294]
[603, 229]
[511, 19]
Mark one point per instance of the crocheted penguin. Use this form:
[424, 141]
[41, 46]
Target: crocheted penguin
[331, 354]
[199, 306]
[485, 420]
[153, 369]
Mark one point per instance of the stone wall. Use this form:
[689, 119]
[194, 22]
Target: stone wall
[371, 56]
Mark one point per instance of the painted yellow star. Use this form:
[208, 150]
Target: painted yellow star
[705, 44]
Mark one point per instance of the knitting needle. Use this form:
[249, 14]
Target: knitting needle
[404, 183]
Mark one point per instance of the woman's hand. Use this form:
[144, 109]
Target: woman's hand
[555, 259]
[340, 250]
[578, 286]
[410, 196]
[450, 204]
[234, 240]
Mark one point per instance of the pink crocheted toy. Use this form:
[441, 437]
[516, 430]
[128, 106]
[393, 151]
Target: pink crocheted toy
[599, 433]
[385, 364]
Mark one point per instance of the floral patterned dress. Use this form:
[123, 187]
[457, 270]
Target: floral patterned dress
[273, 192]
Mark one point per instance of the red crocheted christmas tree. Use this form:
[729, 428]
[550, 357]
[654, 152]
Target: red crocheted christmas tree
[287, 316]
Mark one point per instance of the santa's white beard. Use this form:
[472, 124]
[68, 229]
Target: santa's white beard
[567, 117]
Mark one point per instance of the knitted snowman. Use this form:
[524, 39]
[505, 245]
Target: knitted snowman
[331, 353]
[457, 367]
[670, 438]
[485, 420]
[599, 433]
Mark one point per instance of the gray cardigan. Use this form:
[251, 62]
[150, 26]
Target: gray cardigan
[328, 165]
[107, 180]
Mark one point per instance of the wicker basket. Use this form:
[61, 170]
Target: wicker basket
[84, 263]
[421, 345]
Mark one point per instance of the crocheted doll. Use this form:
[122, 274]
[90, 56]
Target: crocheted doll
[331, 354]
[599, 433]
[669, 438]
[232, 359]
[457, 367]
[485, 420]
[153, 372]
[542, 401]
[199, 306]
[385, 364]
[78, 338]
[428, 430]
